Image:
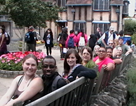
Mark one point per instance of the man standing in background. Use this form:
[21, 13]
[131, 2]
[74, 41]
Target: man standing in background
[30, 40]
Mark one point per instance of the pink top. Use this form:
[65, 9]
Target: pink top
[104, 62]
[79, 35]
[74, 37]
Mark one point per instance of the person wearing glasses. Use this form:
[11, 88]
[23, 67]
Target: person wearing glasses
[74, 69]
[103, 61]
[51, 78]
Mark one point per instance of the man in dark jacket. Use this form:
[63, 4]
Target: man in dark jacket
[30, 43]
[51, 78]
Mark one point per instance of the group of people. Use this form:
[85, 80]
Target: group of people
[29, 86]
[73, 40]
[76, 65]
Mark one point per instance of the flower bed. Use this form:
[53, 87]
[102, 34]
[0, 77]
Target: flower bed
[12, 61]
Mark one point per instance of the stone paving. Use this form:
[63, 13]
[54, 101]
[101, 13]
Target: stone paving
[6, 82]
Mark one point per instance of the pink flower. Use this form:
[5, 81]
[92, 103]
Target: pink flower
[3, 61]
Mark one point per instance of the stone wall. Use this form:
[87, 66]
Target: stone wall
[114, 95]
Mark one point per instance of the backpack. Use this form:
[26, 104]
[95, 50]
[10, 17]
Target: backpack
[27, 37]
[55, 82]
[8, 40]
[81, 41]
[71, 42]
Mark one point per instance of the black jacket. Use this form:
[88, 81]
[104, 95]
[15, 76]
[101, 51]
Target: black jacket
[45, 39]
[31, 34]
[48, 83]
[81, 71]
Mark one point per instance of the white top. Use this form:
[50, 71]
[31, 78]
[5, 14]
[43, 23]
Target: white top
[110, 37]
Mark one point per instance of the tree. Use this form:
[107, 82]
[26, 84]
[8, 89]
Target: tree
[31, 12]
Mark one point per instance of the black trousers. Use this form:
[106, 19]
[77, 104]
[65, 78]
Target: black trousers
[48, 49]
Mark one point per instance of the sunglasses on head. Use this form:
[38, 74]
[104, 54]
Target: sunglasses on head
[50, 66]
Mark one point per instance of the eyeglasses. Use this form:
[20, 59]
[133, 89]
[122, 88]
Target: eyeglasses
[102, 51]
[50, 66]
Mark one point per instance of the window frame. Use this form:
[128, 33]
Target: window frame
[80, 25]
[99, 6]
[102, 26]
[61, 3]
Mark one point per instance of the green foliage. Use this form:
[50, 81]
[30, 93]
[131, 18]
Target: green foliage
[133, 38]
[130, 26]
[31, 12]
[131, 78]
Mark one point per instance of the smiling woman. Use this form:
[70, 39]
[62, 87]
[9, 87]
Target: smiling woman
[103, 61]
[22, 85]
[11, 63]
[73, 68]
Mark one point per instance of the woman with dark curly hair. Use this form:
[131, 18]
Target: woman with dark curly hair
[48, 38]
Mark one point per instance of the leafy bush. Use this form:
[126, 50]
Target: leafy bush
[131, 78]
[13, 61]
[130, 26]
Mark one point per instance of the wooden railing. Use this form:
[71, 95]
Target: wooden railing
[76, 93]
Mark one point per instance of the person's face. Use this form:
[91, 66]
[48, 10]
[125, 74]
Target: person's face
[111, 44]
[48, 31]
[49, 67]
[29, 66]
[119, 52]
[102, 53]
[120, 41]
[71, 60]
[86, 55]
[96, 50]
[109, 53]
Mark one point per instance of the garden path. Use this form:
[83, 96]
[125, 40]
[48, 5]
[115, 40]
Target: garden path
[5, 82]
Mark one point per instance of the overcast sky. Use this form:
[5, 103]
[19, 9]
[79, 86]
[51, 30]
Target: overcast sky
[132, 6]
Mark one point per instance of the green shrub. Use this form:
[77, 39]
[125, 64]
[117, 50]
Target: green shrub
[130, 26]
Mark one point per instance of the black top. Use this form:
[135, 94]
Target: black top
[48, 83]
[45, 39]
[81, 71]
[31, 34]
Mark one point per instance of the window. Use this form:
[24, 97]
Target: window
[61, 3]
[79, 25]
[101, 5]
[103, 27]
